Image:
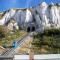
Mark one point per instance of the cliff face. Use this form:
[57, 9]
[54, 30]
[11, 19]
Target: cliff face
[43, 15]
[49, 15]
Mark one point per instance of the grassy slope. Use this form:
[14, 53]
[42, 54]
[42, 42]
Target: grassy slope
[9, 38]
[48, 42]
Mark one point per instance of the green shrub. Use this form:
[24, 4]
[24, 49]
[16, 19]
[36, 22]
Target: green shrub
[50, 38]
[50, 32]
[2, 32]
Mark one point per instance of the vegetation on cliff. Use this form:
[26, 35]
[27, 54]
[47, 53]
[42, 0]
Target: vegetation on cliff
[47, 42]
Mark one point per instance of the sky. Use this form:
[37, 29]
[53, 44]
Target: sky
[8, 4]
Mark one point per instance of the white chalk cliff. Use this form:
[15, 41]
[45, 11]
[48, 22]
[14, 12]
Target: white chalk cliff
[41, 16]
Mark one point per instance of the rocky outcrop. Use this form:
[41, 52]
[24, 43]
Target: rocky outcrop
[43, 16]
[49, 15]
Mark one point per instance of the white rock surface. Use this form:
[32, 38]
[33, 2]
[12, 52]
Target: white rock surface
[45, 16]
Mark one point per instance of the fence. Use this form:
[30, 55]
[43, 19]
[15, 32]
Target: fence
[38, 57]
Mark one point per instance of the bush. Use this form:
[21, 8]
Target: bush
[50, 38]
[50, 32]
[2, 32]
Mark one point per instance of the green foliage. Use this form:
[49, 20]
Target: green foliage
[50, 32]
[10, 36]
[2, 32]
[50, 38]
[1, 15]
